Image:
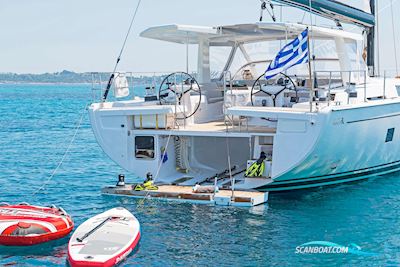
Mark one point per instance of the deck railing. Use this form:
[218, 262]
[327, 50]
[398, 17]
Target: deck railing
[390, 73]
[331, 80]
[147, 79]
[346, 79]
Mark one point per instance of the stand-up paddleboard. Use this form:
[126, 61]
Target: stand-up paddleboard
[105, 239]
[24, 224]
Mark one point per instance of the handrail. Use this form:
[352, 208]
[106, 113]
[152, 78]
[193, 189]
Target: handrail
[97, 82]
[270, 60]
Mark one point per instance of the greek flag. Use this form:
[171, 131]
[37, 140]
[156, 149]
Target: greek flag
[294, 53]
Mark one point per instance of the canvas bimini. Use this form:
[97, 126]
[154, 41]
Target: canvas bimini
[213, 126]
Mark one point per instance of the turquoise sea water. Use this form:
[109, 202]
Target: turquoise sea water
[36, 124]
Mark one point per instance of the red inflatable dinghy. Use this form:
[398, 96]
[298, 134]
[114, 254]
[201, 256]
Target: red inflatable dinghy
[24, 224]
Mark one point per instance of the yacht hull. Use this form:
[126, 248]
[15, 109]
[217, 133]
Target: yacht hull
[311, 182]
[354, 143]
[338, 144]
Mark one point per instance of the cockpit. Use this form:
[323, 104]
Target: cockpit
[232, 60]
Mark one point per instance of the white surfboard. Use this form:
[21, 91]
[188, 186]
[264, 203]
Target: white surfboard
[105, 239]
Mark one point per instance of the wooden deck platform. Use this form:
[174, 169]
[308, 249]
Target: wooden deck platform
[185, 194]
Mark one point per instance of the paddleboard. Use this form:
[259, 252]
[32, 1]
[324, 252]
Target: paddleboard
[105, 239]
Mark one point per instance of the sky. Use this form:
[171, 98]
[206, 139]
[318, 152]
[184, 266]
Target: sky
[53, 35]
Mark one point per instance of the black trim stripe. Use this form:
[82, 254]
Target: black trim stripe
[333, 175]
[355, 176]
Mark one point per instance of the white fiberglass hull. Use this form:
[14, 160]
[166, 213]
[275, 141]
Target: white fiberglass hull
[335, 145]
[354, 143]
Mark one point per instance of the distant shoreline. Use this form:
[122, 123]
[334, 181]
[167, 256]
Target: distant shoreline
[45, 83]
[65, 77]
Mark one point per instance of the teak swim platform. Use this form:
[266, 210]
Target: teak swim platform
[185, 194]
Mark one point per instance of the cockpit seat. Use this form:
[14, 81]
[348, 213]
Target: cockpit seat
[212, 93]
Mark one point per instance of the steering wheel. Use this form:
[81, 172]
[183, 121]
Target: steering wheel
[286, 82]
[178, 84]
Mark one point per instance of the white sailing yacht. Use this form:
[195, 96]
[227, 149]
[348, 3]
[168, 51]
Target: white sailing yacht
[337, 124]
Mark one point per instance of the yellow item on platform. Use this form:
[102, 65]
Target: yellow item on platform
[148, 185]
[255, 170]
[139, 187]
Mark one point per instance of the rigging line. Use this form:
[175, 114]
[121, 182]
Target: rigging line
[377, 24]
[110, 80]
[312, 36]
[310, 70]
[229, 165]
[127, 35]
[78, 125]
[304, 15]
[141, 202]
[163, 155]
[394, 36]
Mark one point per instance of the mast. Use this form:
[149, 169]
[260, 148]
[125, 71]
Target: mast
[371, 43]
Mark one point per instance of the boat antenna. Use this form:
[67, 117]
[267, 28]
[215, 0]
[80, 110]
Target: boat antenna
[264, 7]
[120, 54]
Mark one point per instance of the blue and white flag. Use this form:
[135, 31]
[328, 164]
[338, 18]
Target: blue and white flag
[294, 53]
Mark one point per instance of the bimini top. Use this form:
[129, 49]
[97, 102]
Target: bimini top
[241, 33]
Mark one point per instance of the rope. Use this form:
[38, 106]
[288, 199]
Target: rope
[162, 156]
[229, 165]
[120, 53]
[142, 200]
[127, 35]
[64, 155]
[377, 24]
[304, 16]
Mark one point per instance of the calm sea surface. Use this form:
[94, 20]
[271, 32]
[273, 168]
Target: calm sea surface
[36, 124]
